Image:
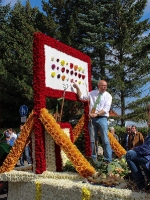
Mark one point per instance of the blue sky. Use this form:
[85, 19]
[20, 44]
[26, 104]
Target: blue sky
[38, 4]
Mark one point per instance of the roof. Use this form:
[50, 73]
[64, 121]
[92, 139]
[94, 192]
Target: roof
[112, 113]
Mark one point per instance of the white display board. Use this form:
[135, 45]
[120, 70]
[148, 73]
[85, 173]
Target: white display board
[61, 70]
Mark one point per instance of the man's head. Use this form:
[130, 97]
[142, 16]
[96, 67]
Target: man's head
[102, 86]
[21, 126]
[133, 129]
[10, 131]
[128, 129]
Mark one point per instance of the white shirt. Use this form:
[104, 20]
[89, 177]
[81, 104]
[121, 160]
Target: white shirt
[104, 104]
[13, 135]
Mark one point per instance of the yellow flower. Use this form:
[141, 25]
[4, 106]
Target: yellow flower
[53, 74]
[62, 62]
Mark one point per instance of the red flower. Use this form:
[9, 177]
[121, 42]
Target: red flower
[63, 69]
[83, 76]
[67, 71]
[71, 65]
[79, 75]
[71, 72]
[53, 66]
[58, 76]
[75, 73]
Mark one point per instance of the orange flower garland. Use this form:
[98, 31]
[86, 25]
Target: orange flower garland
[14, 154]
[78, 128]
[118, 149]
[78, 160]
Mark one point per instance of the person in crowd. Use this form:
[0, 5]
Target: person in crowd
[135, 138]
[26, 152]
[139, 157]
[99, 105]
[112, 131]
[125, 138]
[10, 137]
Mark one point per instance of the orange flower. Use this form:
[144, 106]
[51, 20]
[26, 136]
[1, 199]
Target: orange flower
[75, 67]
[78, 128]
[14, 154]
[118, 149]
[80, 163]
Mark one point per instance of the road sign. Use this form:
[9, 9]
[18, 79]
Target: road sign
[23, 119]
[23, 110]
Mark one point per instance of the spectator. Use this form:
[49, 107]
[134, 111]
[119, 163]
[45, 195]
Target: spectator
[26, 152]
[112, 131]
[10, 137]
[99, 105]
[139, 157]
[125, 138]
[135, 138]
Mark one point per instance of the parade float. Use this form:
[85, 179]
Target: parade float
[56, 66]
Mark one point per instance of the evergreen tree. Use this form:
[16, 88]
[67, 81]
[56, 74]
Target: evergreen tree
[129, 62]
[16, 57]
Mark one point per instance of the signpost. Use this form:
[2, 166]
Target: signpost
[23, 112]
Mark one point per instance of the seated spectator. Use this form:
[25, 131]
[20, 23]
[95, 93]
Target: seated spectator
[135, 138]
[139, 158]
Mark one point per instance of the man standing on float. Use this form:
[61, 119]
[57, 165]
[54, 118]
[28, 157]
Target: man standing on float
[99, 105]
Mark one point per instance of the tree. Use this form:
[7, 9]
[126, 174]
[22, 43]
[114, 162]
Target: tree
[16, 57]
[128, 67]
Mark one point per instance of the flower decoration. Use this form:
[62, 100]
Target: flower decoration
[38, 191]
[67, 71]
[80, 69]
[81, 164]
[63, 77]
[15, 152]
[71, 72]
[53, 66]
[75, 73]
[79, 75]
[118, 149]
[62, 62]
[66, 63]
[57, 60]
[75, 67]
[58, 76]
[71, 80]
[71, 65]
[79, 82]
[41, 91]
[86, 194]
[63, 70]
[83, 76]
[78, 128]
[53, 74]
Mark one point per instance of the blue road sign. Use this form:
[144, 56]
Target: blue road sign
[23, 110]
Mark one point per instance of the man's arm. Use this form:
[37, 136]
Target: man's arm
[77, 89]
